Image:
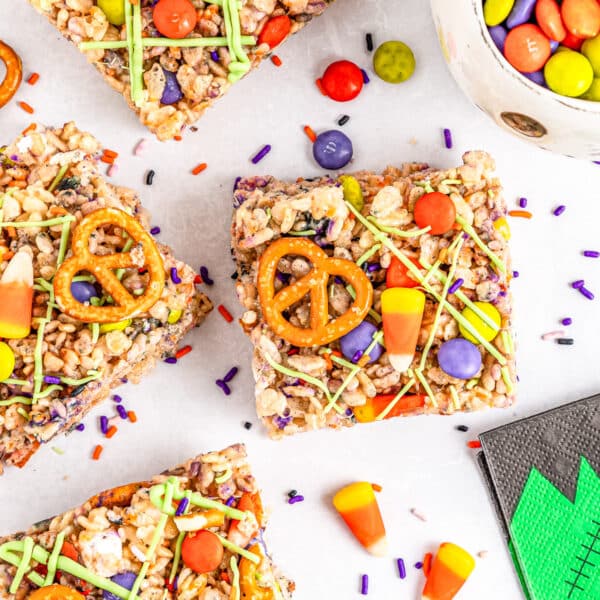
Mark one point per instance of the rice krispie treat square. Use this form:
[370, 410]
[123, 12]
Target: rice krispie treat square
[375, 295]
[195, 531]
[57, 360]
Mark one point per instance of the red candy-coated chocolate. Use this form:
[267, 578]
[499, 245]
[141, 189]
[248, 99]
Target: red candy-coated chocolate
[527, 48]
[342, 81]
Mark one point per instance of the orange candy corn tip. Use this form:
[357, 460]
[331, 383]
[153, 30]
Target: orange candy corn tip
[16, 297]
[402, 312]
[358, 506]
[450, 569]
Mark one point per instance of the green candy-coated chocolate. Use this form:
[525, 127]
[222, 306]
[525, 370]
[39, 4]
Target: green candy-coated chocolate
[496, 11]
[114, 11]
[593, 92]
[394, 62]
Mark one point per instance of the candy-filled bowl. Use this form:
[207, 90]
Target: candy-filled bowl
[533, 113]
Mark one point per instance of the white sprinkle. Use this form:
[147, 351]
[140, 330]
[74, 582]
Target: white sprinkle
[551, 335]
[418, 514]
[112, 170]
[482, 554]
[140, 147]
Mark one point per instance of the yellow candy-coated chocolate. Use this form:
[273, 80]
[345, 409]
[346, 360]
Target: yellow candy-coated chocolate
[352, 191]
[120, 326]
[496, 11]
[569, 74]
[591, 50]
[484, 330]
[114, 11]
[174, 316]
[457, 559]
[7, 361]
[593, 93]
[502, 227]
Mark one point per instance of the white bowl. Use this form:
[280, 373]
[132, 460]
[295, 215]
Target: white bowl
[529, 111]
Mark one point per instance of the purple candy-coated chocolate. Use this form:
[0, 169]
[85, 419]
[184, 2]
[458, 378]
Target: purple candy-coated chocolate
[498, 35]
[332, 149]
[126, 580]
[181, 507]
[578, 284]
[83, 290]
[448, 138]
[172, 92]
[566, 321]
[459, 358]
[521, 13]
[536, 77]
[358, 340]
[591, 253]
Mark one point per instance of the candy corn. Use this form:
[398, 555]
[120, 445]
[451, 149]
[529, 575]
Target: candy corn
[358, 506]
[16, 297]
[450, 569]
[402, 312]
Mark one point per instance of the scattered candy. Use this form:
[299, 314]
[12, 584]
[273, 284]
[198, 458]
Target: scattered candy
[586, 293]
[369, 41]
[33, 78]
[343, 120]
[183, 351]
[155, 230]
[230, 374]
[103, 424]
[342, 81]
[132, 416]
[111, 431]
[150, 177]
[459, 358]
[122, 411]
[484, 330]
[524, 214]
[473, 444]
[83, 291]
[295, 499]
[205, 276]
[402, 312]
[578, 284]
[199, 168]
[276, 60]
[357, 505]
[7, 361]
[16, 297]
[358, 340]
[394, 62]
[332, 149]
[174, 18]
[523, 202]
[418, 514]
[26, 107]
[437, 211]
[247, 425]
[226, 389]
[312, 136]
[401, 568]
[462, 428]
[566, 321]
[275, 31]
[80, 427]
[449, 571]
[140, 147]
[225, 313]
[448, 138]
[591, 253]
[261, 154]
[112, 170]
[364, 584]
[97, 452]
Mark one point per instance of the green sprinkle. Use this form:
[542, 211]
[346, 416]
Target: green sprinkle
[472, 383]
[386, 411]
[15, 382]
[177, 555]
[91, 376]
[198, 42]
[342, 362]
[47, 391]
[224, 476]
[95, 332]
[136, 72]
[48, 223]
[59, 177]
[23, 413]
[507, 342]
[58, 450]
[425, 385]
[426, 185]
[455, 397]
[372, 312]
[398, 232]
[64, 238]
[88, 278]
[16, 400]
[473, 235]
[234, 548]
[235, 584]
[368, 254]
[507, 379]
[306, 232]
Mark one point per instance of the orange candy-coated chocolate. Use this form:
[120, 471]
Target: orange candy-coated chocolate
[581, 17]
[103, 267]
[322, 330]
[56, 592]
[16, 297]
[527, 48]
[13, 76]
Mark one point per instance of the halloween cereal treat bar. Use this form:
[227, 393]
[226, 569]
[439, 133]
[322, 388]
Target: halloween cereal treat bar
[172, 58]
[194, 532]
[371, 296]
[88, 299]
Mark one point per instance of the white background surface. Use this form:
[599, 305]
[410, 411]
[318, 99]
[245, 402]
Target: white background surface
[421, 462]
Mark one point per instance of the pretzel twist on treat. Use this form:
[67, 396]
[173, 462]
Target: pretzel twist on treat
[103, 267]
[321, 330]
[14, 73]
[249, 577]
[56, 592]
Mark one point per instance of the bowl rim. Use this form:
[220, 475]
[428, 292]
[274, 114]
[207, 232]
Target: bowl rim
[577, 103]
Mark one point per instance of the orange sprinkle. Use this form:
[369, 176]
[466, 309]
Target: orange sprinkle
[337, 353]
[329, 363]
[97, 452]
[183, 351]
[26, 107]
[111, 431]
[109, 160]
[427, 563]
[177, 138]
[320, 86]
[520, 213]
[199, 168]
[57, 210]
[11, 231]
[33, 78]
[308, 130]
[474, 444]
[225, 313]
[110, 153]
[276, 60]
[132, 416]
[28, 129]
[17, 184]
[376, 487]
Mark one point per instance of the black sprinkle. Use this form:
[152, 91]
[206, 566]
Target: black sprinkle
[292, 493]
[78, 390]
[234, 275]
[462, 428]
[565, 341]
[369, 38]
[247, 425]
[343, 120]
[150, 177]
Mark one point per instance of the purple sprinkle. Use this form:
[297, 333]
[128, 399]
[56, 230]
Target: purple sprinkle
[205, 276]
[502, 293]
[122, 412]
[515, 274]
[116, 398]
[230, 501]
[578, 284]
[14, 157]
[223, 386]
[230, 374]
[174, 276]
[596, 162]
[171, 360]
[261, 154]
[364, 584]
[591, 253]
[103, 424]
[465, 236]
[235, 183]
[365, 76]
[155, 230]
[124, 380]
[338, 280]
[418, 565]
[523, 202]
[357, 355]
[51, 379]
[559, 210]
[215, 56]
[455, 286]
[283, 277]
[373, 267]
[80, 427]
[585, 292]
[349, 412]
[282, 422]
[566, 321]
[401, 568]
[296, 498]
[448, 138]
[181, 507]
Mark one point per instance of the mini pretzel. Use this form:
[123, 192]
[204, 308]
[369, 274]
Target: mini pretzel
[103, 267]
[14, 73]
[56, 592]
[249, 587]
[322, 330]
